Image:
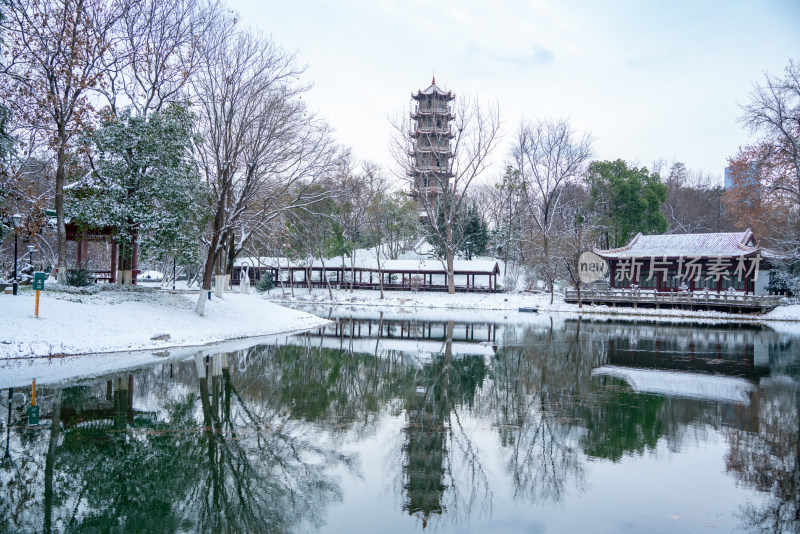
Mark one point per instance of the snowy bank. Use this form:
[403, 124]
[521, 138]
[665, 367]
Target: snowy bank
[117, 319]
[509, 301]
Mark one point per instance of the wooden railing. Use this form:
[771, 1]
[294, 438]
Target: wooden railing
[678, 299]
[103, 276]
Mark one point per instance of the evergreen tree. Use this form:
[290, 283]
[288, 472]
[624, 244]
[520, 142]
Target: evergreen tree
[469, 229]
[476, 233]
[144, 183]
[628, 200]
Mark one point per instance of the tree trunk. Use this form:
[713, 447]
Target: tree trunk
[60, 223]
[327, 282]
[49, 464]
[208, 272]
[230, 260]
[125, 265]
[380, 272]
[352, 270]
[451, 277]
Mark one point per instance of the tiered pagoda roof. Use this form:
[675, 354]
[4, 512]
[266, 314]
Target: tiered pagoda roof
[433, 89]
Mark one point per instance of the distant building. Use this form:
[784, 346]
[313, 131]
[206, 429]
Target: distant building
[431, 154]
[728, 178]
[751, 178]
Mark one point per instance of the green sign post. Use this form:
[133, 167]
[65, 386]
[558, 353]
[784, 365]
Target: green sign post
[33, 415]
[38, 285]
[38, 280]
[33, 409]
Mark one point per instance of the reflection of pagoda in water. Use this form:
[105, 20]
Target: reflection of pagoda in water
[442, 385]
[425, 450]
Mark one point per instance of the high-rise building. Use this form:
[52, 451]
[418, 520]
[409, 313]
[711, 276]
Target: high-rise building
[431, 154]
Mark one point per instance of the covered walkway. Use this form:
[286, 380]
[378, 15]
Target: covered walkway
[404, 275]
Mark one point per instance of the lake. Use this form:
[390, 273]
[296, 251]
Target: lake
[418, 420]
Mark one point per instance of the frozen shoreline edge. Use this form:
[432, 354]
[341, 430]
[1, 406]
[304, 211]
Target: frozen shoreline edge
[722, 317]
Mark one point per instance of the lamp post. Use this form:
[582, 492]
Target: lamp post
[174, 260]
[15, 220]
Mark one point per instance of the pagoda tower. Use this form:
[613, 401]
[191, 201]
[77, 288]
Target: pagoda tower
[431, 155]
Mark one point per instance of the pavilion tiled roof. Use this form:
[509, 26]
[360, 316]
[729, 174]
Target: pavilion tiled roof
[676, 245]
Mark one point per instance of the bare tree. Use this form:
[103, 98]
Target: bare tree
[155, 50]
[261, 149]
[54, 63]
[766, 175]
[355, 193]
[549, 156]
[502, 205]
[579, 229]
[475, 131]
[694, 202]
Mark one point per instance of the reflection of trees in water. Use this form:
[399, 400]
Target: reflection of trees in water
[536, 379]
[245, 447]
[337, 388]
[768, 459]
[214, 461]
[619, 421]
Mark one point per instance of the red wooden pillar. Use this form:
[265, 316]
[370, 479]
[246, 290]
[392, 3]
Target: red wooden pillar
[114, 258]
[134, 261]
[82, 248]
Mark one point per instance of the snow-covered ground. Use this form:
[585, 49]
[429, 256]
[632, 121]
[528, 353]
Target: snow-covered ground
[507, 301]
[112, 319]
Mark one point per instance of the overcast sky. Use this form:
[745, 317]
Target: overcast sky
[648, 79]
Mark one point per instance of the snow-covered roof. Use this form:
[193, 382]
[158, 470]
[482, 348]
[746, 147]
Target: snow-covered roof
[675, 245]
[371, 345]
[681, 384]
[434, 89]
[371, 264]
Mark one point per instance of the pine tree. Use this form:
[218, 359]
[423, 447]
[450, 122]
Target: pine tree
[144, 183]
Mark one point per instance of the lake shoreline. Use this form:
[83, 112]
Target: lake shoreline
[514, 301]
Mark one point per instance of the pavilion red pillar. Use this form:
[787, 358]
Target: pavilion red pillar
[82, 248]
[85, 246]
[114, 258]
[134, 261]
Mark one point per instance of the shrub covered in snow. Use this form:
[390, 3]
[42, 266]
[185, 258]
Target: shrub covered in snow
[265, 284]
[80, 276]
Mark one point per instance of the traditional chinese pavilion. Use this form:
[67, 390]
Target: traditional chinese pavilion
[431, 155]
[715, 262]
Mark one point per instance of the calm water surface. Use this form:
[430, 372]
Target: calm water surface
[400, 422]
